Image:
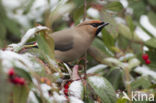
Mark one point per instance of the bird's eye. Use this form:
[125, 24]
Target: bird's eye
[95, 25]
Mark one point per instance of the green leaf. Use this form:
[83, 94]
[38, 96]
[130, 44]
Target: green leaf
[20, 94]
[107, 38]
[125, 31]
[139, 8]
[102, 88]
[5, 88]
[130, 23]
[23, 73]
[152, 2]
[151, 42]
[77, 14]
[114, 6]
[122, 100]
[12, 26]
[100, 45]
[46, 44]
[152, 16]
[28, 7]
[112, 27]
[2, 31]
[115, 77]
[141, 82]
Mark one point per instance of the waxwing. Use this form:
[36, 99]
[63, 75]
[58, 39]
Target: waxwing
[72, 43]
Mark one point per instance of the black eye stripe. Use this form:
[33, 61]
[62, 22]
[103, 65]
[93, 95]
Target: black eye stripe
[96, 24]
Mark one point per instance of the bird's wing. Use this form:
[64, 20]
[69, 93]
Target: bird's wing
[63, 42]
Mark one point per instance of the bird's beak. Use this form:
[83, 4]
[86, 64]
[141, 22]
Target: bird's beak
[100, 27]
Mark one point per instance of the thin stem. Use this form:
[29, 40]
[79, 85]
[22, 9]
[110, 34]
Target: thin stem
[85, 10]
[128, 86]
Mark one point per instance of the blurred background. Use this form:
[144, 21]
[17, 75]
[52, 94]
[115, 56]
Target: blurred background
[117, 54]
[17, 16]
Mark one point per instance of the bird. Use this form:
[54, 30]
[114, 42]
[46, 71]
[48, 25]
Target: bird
[72, 43]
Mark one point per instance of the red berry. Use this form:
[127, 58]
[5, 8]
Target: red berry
[21, 81]
[15, 80]
[66, 92]
[148, 61]
[145, 56]
[66, 86]
[11, 72]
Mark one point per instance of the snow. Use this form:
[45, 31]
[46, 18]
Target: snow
[67, 67]
[59, 98]
[75, 100]
[93, 13]
[112, 60]
[120, 20]
[124, 3]
[30, 33]
[23, 61]
[53, 62]
[143, 35]
[96, 68]
[76, 89]
[144, 70]
[144, 20]
[133, 63]
[15, 9]
[127, 56]
[45, 88]
[97, 81]
[32, 98]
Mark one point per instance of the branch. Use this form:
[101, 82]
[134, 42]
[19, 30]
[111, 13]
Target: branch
[85, 10]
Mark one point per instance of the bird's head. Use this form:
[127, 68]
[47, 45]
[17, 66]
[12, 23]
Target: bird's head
[93, 26]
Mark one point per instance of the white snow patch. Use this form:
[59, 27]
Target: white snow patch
[144, 70]
[143, 35]
[75, 100]
[96, 68]
[53, 62]
[76, 88]
[124, 3]
[133, 63]
[97, 81]
[45, 88]
[30, 33]
[120, 20]
[127, 56]
[23, 61]
[59, 98]
[32, 98]
[93, 13]
[144, 20]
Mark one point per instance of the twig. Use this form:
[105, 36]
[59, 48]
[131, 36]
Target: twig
[85, 62]
[85, 10]
[127, 84]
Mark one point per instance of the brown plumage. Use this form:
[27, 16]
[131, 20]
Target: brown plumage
[72, 43]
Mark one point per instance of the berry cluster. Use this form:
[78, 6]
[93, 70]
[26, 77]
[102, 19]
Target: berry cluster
[66, 87]
[13, 78]
[146, 58]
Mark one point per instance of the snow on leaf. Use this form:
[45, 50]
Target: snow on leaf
[103, 89]
[76, 89]
[45, 88]
[126, 57]
[23, 61]
[32, 98]
[31, 32]
[75, 100]
[144, 70]
[97, 81]
[59, 98]
[96, 68]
